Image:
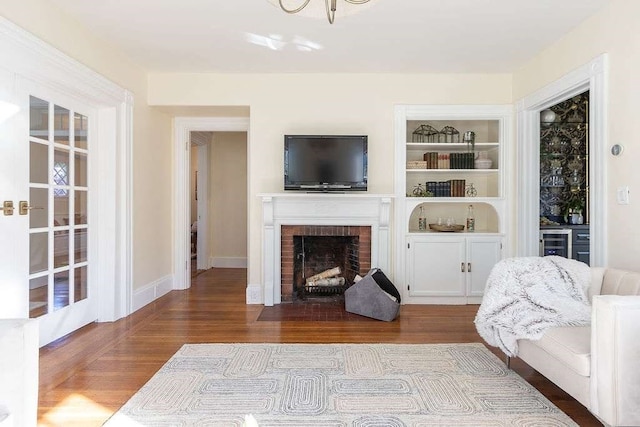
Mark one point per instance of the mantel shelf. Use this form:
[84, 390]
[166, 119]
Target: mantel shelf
[326, 195]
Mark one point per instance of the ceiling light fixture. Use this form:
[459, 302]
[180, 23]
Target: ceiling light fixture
[330, 5]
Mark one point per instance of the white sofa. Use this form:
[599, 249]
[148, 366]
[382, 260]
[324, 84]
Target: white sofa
[599, 365]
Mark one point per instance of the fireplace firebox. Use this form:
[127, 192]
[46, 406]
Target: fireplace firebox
[314, 255]
[309, 250]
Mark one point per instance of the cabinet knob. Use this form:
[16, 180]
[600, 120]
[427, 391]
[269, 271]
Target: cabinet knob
[462, 267]
[469, 268]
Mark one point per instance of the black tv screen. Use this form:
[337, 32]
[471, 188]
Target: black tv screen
[325, 162]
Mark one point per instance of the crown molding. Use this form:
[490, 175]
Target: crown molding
[36, 60]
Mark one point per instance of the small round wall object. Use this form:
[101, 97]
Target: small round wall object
[616, 149]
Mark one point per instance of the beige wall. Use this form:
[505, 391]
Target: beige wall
[228, 195]
[320, 103]
[613, 31]
[152, 186]
[152, 235]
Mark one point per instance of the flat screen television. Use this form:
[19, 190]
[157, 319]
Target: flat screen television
[325, 162]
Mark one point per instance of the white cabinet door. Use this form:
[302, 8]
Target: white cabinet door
[450, 268]
[435, 266]
[482, 254]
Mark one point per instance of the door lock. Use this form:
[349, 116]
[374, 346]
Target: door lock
[24, 208]
[7, 208]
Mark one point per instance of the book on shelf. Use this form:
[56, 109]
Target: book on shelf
[450, 188]
[440, 160]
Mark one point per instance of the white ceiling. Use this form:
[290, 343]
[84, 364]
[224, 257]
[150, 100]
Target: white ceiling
[403, 36]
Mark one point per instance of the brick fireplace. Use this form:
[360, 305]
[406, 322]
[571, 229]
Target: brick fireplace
[330, 213]
[321, 247]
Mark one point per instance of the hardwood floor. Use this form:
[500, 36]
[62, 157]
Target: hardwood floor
[86, 376]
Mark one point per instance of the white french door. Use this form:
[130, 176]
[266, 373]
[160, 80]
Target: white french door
[46, 258]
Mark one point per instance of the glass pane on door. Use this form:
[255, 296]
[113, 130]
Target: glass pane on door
[60, 248]
[81, 207]
[80, 167]
[38, 252]
[60, 290]
[38, 218]
[61, 207]
[38, 296]
[59, 217]
[39, 160]
[61, 125]
[80, 129]
[80, 282]
[39, 118]
[80, 245]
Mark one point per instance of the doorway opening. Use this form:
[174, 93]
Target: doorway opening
[218, 207]
[206, 177]
[564, 179]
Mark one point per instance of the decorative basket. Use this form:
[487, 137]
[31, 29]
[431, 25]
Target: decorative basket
[416, 164]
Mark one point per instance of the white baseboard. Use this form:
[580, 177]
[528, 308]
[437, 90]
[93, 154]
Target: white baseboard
[151, 292]
[254, 294]
[228, 262]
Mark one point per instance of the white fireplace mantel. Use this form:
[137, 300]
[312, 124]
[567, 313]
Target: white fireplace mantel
[320, 209]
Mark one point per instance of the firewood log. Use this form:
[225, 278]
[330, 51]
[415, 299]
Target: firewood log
[332, 272]
[328, 282]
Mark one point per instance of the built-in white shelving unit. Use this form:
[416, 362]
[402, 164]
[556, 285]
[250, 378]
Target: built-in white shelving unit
[449, 267]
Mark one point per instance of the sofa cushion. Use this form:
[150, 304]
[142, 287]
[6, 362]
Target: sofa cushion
[571, 345]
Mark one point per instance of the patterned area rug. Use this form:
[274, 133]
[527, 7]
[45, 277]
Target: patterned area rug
[360, 385]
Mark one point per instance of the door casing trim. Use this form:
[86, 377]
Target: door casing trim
[592, 77]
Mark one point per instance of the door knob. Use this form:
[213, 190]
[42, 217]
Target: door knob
[24, 208]
[7, 208]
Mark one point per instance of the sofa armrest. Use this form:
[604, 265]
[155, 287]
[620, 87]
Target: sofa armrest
[615, 359]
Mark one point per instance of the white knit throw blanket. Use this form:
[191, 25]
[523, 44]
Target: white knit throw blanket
[526, 296]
